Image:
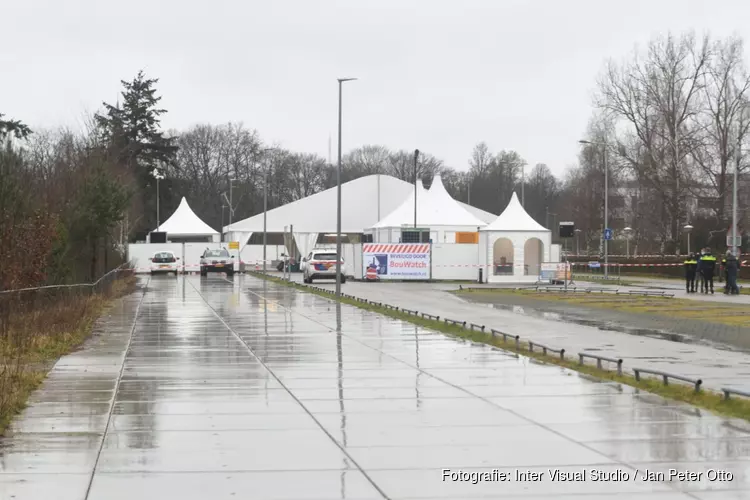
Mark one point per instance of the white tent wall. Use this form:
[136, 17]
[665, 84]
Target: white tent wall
[519, 241]
[554, 255]
[305, 242]
[451, 261]
[139, 253]
[253, 254]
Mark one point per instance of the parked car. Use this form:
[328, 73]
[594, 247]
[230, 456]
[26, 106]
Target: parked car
[164, 262]
[321, 264]
[217, 261]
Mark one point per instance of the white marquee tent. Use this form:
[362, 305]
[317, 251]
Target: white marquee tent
[514, 245]
[436, 210]
[364, 202]
[184, 225]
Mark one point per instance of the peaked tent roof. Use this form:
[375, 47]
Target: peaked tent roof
[317, 213]
[184, 222]
[435, 207]
[514, 218]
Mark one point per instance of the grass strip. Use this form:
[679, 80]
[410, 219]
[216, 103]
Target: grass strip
[22, 370]
[706, 399]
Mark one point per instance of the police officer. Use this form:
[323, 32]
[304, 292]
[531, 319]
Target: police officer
[691, 265]
[708, 266]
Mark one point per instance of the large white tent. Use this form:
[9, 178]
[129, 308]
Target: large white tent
[363, 201]
[514, 245]
[184, 226]
[436, 210]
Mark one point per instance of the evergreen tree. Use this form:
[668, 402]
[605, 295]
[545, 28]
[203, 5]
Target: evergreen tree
[15, 127]
[132, 129]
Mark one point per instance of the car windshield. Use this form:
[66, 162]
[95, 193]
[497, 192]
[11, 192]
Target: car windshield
[163, 255]
[324, 256]
[217, 253]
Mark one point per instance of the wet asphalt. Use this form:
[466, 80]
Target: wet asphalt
[208, 388]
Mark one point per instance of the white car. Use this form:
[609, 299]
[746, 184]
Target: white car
[164, 262]
[321, 264]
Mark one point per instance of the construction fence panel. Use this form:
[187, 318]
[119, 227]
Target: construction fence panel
[397, 261]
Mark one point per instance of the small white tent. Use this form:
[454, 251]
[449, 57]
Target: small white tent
[185, 226]
[435, 210]
[513, 247]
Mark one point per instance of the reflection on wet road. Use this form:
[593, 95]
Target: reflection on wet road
[242, 389]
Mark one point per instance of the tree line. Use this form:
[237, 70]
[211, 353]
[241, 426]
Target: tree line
[671, 120]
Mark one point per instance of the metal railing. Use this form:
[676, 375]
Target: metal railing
[599, 359]
[666, 376]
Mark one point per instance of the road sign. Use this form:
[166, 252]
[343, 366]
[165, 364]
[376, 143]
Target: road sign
[608, 234]
[595, 265]
[234, 245]
[738, 241]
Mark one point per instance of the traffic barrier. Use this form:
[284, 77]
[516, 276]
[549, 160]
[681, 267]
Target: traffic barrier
[666, 376]
[517, 338]
[455, 322]
[545, 348]
[727, 391]
[430, 316]
[599, 359]
[480, 327]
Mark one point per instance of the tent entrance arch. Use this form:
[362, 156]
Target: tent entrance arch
[502, 257]
[533, 254]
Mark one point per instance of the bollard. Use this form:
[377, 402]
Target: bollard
[480, 275]
[518, 342]
[531, 347]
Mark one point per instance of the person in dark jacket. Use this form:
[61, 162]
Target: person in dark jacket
[691, 265]
[732, 268]
[708, 266]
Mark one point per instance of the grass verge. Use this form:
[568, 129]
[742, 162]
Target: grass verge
[713, 312]
[46, 335]
[709, 400]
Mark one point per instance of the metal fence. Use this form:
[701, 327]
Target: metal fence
[48, 304]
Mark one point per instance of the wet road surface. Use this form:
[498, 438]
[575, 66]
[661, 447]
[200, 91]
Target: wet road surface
[717, 367]
[216, 389]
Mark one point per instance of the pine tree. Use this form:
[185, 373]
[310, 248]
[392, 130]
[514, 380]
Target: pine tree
[132, 129]
[14, 127]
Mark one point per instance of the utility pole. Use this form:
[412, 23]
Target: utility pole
[338, 203]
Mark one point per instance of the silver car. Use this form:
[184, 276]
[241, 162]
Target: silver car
[321, 264]
[217, 261]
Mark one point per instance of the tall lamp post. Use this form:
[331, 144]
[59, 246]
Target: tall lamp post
[688, 229]
[416, 157]
[578, 243]
[338, 198]
[265, 205]
[604, 146]
[158, 176]
[628, 231]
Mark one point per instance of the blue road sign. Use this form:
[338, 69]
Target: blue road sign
[608, 234]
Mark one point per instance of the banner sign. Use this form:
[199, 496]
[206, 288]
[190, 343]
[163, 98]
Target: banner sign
[555, 271]
[397, 261]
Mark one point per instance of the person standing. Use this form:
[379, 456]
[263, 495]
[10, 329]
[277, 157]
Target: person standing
[708, 266]
[732, 268]
[699, 269]
[691, 265]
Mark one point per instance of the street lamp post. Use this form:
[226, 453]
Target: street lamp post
[604, 146]
[158, 176]
[416, 157]
[265, 206]
[688, 228]
[338, 197]
[738, 157]
[578, 243]
[627, 231]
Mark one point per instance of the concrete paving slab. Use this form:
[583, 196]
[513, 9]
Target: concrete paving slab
[244, 389]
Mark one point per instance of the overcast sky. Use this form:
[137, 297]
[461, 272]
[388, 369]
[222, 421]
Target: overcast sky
[438, 75]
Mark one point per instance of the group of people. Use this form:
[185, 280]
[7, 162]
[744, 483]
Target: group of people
[703, 266]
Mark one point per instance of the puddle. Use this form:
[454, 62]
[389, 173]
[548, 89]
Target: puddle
[579, 319]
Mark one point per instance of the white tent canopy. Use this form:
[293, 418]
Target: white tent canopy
[435, 210]
[435, 207]
[514, 245]
[184, 224]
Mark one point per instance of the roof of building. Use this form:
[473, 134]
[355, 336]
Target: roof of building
[514, 218]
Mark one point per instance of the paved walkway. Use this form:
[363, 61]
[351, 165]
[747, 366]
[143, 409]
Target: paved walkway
[716, 367]
[216, 389]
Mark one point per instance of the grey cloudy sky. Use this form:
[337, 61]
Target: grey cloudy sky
[437, 75]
